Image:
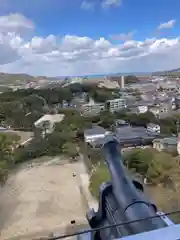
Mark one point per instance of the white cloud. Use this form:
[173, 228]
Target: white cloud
[74, 55]
[167, 25]
[15, 23]
[87, 5]
[110, 3]
[123, 36]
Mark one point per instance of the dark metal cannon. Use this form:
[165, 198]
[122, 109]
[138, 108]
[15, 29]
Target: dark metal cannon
[122, 200]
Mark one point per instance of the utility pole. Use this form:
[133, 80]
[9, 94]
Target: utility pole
[177, 127]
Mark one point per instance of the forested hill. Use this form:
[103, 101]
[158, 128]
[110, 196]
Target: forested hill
[7, 78]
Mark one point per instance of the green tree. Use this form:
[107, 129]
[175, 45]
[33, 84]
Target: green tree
[99, 176]
[139, 160]
[70, 149]
[163, 169]
[107, 119]
[7, 144]
[130, 79]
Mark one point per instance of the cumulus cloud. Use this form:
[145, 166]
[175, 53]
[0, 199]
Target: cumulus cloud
[167, 25]
[123, 36]
[75, 55]
[15, 23]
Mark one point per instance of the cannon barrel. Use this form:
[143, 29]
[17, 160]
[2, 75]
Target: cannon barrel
[131, 201]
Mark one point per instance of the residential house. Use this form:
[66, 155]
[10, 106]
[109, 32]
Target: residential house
[154, 128]
[165, 144]
[161, 109]
[121, 123]
[148, 97]
[142, 109]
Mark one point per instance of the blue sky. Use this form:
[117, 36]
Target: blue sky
[71, 30]
[67, 16]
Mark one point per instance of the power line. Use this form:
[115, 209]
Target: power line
[110, 226]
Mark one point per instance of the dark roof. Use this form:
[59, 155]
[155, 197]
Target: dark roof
[145, 103]
[94, 131]
[128, 133]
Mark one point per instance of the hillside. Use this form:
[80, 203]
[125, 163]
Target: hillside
[172, 73]
[7, 78]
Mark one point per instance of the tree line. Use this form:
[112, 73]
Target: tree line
[21, 108]
[160, 169]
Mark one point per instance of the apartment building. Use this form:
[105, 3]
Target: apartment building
[116, 104]
[92, 108]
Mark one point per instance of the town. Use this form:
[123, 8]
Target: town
[52, 134]
[89, 120]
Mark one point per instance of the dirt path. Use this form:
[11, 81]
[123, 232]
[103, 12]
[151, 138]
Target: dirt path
[40, 199]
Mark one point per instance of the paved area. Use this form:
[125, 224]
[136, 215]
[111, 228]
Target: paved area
[42, 197]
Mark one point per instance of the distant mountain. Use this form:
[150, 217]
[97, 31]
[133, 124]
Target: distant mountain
[109, 75]
[22, 78]
[172, 73]
[11, 78]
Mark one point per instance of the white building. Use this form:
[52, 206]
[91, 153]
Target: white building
[142, 109]
[116, 104]
[92, 108]
[122, 82]
[46, 123]
[155, 128]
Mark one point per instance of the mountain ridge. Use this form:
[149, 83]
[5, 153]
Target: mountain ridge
[12, 78]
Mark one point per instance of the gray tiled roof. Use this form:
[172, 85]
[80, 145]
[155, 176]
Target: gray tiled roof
[124, 133]
[95, 130]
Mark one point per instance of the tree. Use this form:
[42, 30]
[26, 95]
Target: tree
[139, 160]
[70, 149]
[131, 79]
[107, 119]
[168, 125]
[7, 144]
[95, 156]
[163, 169]
[99, 176]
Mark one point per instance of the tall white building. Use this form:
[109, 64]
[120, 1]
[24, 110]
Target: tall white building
[122, 82]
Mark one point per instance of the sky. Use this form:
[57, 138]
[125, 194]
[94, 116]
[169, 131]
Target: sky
[84, 37]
